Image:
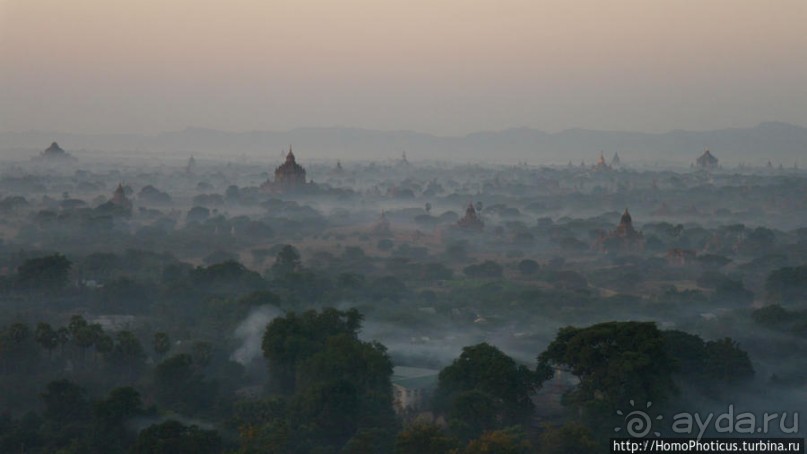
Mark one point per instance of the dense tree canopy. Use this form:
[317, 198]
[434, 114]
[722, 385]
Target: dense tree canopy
[484, 389]
[65, 402]
[287, 261]
[720, 361]
[49, 273]
[615, 362]
[335, 387]
[179, 384]
[294, 338]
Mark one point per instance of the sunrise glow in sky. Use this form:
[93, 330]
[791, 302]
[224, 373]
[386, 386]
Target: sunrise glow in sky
[441, 66]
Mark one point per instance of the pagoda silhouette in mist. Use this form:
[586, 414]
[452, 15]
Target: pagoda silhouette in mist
[289, 177]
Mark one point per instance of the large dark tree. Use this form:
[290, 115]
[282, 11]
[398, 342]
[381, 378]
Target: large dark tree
[127, 354]
[772, 316]
[336, 388]
[65, 402]
[294, 338]
[17, 348]
[287, 261]
[528, 267]
[714, 362]
[726, 362]
[111, 415]
[227, 278]
[66, 417]
[46, 337]
[180, 386]
[615, 362]
[686, 352]
[484, 389]
[83, 334]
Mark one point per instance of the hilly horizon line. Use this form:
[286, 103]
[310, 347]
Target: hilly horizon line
[187, 129]
[778, 142]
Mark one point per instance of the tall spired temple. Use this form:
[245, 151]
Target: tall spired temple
[289, 176]
[119, 198]
[615, 161]
[624, 238]
[625, 228]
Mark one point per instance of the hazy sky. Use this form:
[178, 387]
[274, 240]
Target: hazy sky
[440, 66]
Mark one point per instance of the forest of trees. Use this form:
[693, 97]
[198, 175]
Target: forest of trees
[326, 390]
[195, 311]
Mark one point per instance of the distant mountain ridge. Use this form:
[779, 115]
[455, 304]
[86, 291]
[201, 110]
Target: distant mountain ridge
[775, 141]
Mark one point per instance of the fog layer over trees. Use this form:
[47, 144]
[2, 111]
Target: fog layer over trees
[198, 305]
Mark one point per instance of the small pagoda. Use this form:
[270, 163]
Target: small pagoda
[601, 165]
[54, 152]
[191, 166]
[119, 198]
[615, 161]
[471, 220]
[404, 162]
[625, 228]
[706, 161]
[119, 204]
[624, 238]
